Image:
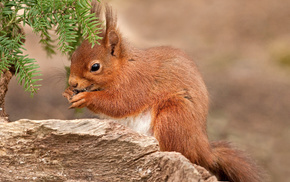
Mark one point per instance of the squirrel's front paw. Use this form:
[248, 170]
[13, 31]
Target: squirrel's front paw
[68, 93]
[80, 100]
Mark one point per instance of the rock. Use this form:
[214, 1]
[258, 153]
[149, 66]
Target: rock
[87, 150]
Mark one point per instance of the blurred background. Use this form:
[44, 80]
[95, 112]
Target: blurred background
[241, 47]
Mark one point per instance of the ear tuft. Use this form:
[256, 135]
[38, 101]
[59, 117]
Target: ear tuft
[111, 19]
[96, 8]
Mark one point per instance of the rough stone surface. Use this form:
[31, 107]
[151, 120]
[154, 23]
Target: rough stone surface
[87, 150]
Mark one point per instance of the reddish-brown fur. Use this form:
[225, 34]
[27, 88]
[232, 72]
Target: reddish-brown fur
[164, 80]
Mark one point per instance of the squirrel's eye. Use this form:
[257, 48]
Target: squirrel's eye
[95, 67]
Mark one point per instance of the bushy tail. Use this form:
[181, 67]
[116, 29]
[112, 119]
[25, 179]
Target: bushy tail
[232, 165]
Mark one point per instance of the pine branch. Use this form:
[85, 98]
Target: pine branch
[26, 71]
[26, 68]
[70, 18]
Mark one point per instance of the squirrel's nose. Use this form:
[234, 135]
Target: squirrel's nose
[73, 82]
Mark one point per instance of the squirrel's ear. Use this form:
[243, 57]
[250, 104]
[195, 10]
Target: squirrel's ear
[114, 43]
[113, 39]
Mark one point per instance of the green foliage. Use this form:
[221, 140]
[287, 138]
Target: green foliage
[70, 19]
[26, 69]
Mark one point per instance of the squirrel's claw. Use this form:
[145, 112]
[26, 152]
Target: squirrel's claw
[68, 93]
[78, 101]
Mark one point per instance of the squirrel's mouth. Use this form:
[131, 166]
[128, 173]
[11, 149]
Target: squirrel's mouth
[90, 88]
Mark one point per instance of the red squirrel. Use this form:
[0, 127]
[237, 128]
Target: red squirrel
[158, 91]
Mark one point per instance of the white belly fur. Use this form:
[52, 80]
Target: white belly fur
[140, 123]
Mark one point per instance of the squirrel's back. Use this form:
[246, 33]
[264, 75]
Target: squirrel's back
[168, 70]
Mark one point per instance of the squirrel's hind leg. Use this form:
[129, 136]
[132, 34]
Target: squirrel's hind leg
[175, 128]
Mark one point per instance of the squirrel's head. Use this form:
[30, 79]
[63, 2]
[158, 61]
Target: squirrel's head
[95, 68]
